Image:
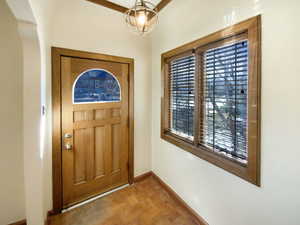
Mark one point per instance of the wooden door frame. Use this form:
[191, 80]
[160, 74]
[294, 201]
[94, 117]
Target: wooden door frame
[57, 53]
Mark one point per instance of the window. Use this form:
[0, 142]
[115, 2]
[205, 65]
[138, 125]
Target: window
[225, 83]
[94, 86]
[211, 99]
[182, 77]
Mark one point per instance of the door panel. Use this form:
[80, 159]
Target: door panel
[100, 146]
[80, 156]
[116, 134]
[95, 132]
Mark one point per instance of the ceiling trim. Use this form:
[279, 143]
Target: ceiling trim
[162, 4]
[123, 9]
[110, 5]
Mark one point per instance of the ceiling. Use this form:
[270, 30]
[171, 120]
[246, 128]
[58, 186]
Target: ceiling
[130, 3]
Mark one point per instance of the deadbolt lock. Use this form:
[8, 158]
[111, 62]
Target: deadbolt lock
[68, 135]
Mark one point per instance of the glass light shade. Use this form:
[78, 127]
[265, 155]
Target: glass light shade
[142, 18]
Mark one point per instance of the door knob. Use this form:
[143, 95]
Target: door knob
[68, 146]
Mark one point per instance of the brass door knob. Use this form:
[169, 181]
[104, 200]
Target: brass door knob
[68, 146]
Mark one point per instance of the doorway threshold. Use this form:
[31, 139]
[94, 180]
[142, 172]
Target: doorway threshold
[94, 198]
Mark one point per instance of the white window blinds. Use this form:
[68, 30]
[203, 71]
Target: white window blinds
[224, 104]
[182, 96]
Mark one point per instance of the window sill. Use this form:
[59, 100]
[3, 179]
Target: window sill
[230, 165]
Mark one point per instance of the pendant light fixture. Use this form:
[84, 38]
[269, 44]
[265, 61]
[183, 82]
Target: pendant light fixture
[142, 17]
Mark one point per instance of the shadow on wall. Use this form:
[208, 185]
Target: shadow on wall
[27, 90]
[12, 202]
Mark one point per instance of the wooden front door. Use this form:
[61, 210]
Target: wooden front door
[95, 123]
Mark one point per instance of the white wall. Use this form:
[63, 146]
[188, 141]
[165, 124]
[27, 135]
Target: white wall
[12, 203]
[218, 196]
[27, 13]
[43, 12]
[33, 158]
[81, 25]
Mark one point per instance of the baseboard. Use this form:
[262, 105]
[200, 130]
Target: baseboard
[142, 177]
[21, 222]
[51, 213]
[180, 201]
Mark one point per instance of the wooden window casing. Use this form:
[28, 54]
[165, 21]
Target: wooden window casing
[249, 30]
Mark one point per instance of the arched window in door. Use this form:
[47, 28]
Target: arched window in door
[96, 86]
